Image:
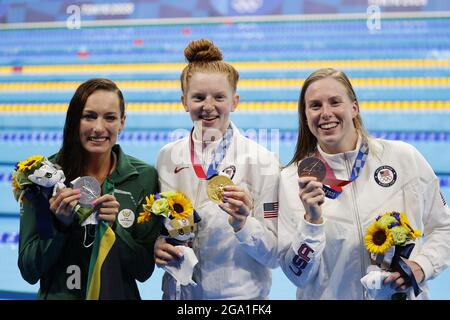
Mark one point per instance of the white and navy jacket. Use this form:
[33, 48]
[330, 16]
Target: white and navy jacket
[231, 265]
[327, 261]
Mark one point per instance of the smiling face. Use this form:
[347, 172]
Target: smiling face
[329, 113]
[209, 99]
[101, 122]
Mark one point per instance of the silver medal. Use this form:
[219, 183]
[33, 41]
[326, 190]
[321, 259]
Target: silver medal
[90, 190]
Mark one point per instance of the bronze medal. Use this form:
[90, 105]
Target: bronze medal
[312, 167]
[215, 188]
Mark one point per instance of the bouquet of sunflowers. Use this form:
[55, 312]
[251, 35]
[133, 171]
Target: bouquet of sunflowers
[389, 229]
[180, 218]
[23, 169]
[36, 179]
[180, 224]
[388, 240]
[36, 171]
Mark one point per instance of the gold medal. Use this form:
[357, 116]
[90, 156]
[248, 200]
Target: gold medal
[215, 188]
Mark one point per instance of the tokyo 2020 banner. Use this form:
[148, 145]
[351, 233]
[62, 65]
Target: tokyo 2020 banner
[18, 11]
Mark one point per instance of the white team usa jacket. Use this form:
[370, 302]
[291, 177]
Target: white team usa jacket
[327, 261]
[231, 265]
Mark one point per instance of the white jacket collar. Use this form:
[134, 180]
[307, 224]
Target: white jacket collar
[235, 130]
[337, 161]
[212, 146]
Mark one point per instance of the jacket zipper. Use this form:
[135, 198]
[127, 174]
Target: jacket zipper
[358, 223]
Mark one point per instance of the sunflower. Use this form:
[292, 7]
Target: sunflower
[145, 216]
[29, 164]
[149, 203]
[180, 206]
[405, 222]
[404, 219]
[378, 239]
[414, 234]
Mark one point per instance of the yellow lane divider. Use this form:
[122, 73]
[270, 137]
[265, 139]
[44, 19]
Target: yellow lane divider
[270, 106]
[250, 65]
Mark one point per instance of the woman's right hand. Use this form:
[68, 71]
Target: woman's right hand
[165, 252]
[312, 196]
[63, 203]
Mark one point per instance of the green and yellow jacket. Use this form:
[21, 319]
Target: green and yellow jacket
[61, 264]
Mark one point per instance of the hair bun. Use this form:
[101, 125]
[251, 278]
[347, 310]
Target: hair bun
[202, 50]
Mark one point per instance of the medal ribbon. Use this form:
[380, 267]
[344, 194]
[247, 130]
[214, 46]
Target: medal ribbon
[219, 155]
[333, 186]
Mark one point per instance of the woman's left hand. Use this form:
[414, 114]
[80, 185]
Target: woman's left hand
[398, 282]
[238, 203]
[107, 208]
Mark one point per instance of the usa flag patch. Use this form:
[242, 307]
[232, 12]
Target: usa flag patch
[270, 210]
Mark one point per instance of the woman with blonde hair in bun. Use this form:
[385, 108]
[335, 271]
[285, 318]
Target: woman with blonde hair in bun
[236, 240]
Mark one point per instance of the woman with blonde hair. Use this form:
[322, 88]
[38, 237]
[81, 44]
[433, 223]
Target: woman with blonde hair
[337, 183]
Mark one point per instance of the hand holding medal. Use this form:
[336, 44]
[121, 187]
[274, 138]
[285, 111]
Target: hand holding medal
[221, 190]
[216, 187]
[311, 172]
[93, 206]
[238, 203]
[90, 190]
[312, 167]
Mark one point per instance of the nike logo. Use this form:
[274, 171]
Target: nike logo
[178, 169]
